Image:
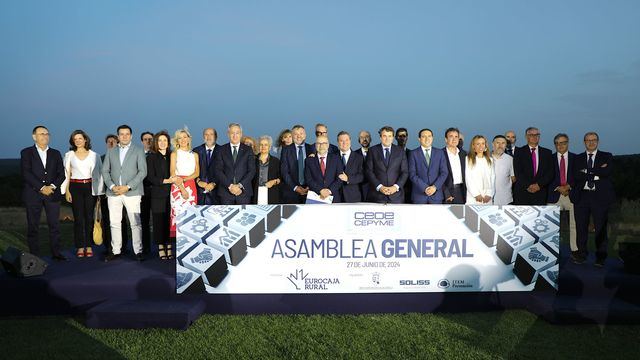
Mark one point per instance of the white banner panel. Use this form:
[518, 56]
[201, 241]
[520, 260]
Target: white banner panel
[366, 248]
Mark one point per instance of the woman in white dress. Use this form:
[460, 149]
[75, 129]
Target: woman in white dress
[185, 167]
[83, 183]
[480, 173]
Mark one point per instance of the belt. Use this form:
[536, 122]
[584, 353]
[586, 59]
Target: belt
[457, 185]
[80, 181]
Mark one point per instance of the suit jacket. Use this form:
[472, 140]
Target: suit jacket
[604, 191]
[207, 172]
[448, 183]
[554, 196]
[315, 179]
[397, 172]
[273, 170]
[289, 172]
[243, 170]
[523, 170]
[364, 186]
[132, 171]
[36, 175]
[423, 176]
[351, 190]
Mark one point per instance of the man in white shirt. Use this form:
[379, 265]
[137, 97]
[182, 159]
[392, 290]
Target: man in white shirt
[504, 172]
[455, 191]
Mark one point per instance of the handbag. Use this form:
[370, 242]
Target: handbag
[97, 224]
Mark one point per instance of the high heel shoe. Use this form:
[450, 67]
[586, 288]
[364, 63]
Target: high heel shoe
[162, 254]
[170, 255]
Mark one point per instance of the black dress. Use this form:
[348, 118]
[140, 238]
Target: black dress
[157, 170]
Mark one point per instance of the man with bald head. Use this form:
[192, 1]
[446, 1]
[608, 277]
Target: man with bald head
[511, 142]
[206, 181]
[322, 171]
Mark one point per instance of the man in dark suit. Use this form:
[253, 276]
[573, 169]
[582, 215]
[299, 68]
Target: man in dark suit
[206, 181]
[292, 162]
[353, 175]
[322, 129]
[455, 191]
[235, 168]
[386, 170]
[402, 137]
[563, 182]
[533, 167]
[364, 139]
[321, 171]
[427, 171]
[146, 138]
[592, 196]
[43, 174]
[511, 142]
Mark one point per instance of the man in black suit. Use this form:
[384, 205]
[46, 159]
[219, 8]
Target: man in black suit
[323, 130]
[455, 191]
[235, 168]
[592, 196]
[364, 139]
[206, 181]
[402, 136]
[146, 138]
[43, 174]
[321, 171]
[511, 142]
[386, 170]
[533, 168]
[353, 174]
[294, 189]
[562, 184]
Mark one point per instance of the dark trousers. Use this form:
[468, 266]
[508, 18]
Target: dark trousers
[106, 225]
[34, 210]
[458, 196]
[235, 200]
[161, 228]
[588, 206]
[82, 204]
[145, 220]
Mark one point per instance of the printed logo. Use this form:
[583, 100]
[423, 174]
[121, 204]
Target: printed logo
[204, 257]
[421, 282]
[536, 256]
[373, 218]
[302, 281]
[375, 278]
[444, 283]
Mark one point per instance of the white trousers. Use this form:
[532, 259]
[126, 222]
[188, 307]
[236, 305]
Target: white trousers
[132, 204]
[565, 204]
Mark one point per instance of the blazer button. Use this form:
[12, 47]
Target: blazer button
[45, 173]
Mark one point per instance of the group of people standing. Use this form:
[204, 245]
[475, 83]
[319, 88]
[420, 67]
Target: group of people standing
[158, 181]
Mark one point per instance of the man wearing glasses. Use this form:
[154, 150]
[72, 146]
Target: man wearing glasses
[322, 130]
[592, 195]
[533, 167]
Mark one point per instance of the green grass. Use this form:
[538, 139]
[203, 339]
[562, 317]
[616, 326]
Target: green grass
[508, 334]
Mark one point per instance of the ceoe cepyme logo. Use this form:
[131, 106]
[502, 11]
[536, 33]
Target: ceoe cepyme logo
[373, 218]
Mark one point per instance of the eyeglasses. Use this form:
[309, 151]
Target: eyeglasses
[561, 142]
[318, 133]
[323, 143]
[591, 140]
[534, 135]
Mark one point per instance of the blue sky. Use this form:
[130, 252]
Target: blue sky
[485, 67]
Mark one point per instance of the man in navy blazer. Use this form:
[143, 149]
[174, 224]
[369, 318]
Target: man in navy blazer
[292, 163]
[322, 170]
[455, 191]
[592, 196]
[43, 173]
[386, 170]
[533, 167]
[353, 174]
[206, 181]
[235, 167]
[563, 182]
[427, 171]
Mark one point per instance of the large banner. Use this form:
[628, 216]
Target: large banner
[366, 248]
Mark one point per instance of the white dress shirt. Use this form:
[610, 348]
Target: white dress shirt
[456, 167]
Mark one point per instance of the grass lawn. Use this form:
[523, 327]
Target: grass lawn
[508, 334]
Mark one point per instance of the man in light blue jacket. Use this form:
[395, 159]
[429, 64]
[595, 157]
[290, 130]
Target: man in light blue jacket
[123, 170]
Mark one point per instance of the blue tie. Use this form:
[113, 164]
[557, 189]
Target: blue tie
[590, 183]
[300, 165]
[344, 159]
[386, 156]
[208, 157]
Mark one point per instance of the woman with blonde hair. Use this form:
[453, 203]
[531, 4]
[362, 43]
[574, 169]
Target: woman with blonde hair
[480, 173]
[185, 167]
[250, 142]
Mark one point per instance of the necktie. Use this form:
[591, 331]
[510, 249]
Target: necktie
[344, 159]
[427, 156]
[323, 167]
[386, 156]
[590, 182]
[208, 157]
[563, 169]
[235, 153]
[300, 165]
[534, 160]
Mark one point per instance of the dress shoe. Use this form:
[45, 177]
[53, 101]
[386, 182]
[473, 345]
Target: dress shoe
[59, 257]
[111, 257]
[577, 259]
[140, 257]
[599, 263]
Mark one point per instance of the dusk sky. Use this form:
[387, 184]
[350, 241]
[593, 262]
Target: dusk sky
[483, 66]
